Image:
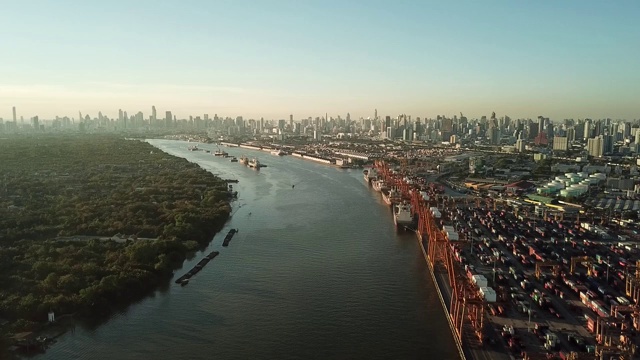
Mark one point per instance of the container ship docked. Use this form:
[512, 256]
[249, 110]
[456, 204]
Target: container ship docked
[392, 196]
[370, 175]
[402, 215]
[379, 185]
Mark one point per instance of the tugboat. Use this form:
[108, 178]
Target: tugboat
[254, 163]
[234, 159]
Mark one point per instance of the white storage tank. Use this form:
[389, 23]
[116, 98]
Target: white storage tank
[488, 293]
[479, 280]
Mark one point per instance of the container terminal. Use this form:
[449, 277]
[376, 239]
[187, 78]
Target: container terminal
[518, 284]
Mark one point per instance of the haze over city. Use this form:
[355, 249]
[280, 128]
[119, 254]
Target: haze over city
[572, 59]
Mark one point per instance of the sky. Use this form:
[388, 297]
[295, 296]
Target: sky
[272, 58]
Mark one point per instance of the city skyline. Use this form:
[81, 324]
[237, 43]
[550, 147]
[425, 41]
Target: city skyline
[568, 60]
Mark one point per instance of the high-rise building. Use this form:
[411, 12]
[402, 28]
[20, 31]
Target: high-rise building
[15, 119]
[607, 144]
[587, 129]
[168, 119]
[571, 134]
[540, 124]
[154, 115]
[560, 143]
[595, 146]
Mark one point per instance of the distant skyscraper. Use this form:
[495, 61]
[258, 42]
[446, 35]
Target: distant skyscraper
[168, 119]
[540, 124]
[153, 113]
[571, 134]
[607, 144]
[587, 129]
[560, 143]
[595, 146]
[14, 115]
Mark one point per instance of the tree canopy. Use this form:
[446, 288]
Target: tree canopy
[61, 200]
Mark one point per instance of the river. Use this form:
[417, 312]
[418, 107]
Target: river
[316, 272]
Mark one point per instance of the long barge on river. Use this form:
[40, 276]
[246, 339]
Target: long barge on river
[227, 239]
[184, 279]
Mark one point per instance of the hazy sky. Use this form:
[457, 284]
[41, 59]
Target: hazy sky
[271, 58]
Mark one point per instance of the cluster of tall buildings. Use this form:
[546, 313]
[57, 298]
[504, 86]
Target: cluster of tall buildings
[598, 137]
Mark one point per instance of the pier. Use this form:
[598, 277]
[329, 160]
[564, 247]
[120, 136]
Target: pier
[196, 269]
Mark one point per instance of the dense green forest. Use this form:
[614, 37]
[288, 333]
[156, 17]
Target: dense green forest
[61, 200]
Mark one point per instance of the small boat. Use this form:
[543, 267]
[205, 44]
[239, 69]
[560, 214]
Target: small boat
[234, 159]
[220, 153]
[254, 163]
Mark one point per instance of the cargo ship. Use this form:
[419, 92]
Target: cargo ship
[391, 197]
[379, 185]
[402, 215]
[370, 175]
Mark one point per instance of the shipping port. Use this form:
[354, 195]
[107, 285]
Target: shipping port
[519, 283]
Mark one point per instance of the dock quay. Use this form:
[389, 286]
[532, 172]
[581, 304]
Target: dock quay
[229, 236]
[196, 269]
[518, 286]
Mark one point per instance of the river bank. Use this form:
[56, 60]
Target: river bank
[172, 208]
